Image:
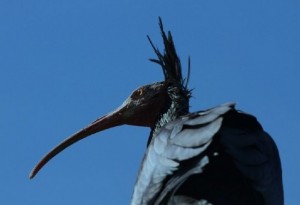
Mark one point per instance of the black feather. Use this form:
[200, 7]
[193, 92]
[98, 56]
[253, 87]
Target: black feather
[170, 62]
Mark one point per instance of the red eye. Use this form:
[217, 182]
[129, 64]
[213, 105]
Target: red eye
[140, 91]
[137, 93]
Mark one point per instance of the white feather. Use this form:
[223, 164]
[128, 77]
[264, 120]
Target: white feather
[172, 144]
[197, 137]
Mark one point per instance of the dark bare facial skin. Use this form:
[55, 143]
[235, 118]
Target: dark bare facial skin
[144, 103]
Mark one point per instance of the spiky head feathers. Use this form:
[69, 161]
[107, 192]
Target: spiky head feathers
[170, 63]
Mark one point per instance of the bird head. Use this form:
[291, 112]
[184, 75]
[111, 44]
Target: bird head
[145, 106]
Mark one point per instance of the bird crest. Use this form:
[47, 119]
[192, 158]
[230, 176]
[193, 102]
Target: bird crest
[170, 62]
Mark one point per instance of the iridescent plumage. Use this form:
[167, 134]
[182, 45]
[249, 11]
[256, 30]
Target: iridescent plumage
[219, 156]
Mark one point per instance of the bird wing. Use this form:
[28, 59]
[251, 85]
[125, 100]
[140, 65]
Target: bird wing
[242, 157]
[177, 142]
[255, 155]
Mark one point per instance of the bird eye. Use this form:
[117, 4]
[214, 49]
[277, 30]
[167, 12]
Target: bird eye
[140, 91]
[137, 93]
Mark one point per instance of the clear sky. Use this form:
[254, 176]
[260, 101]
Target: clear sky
[65, 63]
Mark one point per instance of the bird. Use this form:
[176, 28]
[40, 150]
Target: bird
[217, 156]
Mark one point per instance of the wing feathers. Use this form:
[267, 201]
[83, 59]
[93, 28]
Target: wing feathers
[177, 141]
[178, 151]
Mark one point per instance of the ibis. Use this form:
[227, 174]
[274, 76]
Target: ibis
[218, 156]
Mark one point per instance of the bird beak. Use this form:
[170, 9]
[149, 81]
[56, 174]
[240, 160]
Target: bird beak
[107, 121]
[131, 112]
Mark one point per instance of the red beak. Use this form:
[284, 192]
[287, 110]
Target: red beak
[139, 109]
[105, 122]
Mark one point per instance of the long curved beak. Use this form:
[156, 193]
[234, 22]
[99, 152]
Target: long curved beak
[107, 121]
[139, 109]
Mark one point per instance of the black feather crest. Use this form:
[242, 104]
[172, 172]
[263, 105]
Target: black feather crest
[170, 61]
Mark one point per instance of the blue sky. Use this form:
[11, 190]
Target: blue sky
[65, 63]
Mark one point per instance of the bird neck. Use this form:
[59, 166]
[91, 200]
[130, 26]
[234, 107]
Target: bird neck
[178, 105]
